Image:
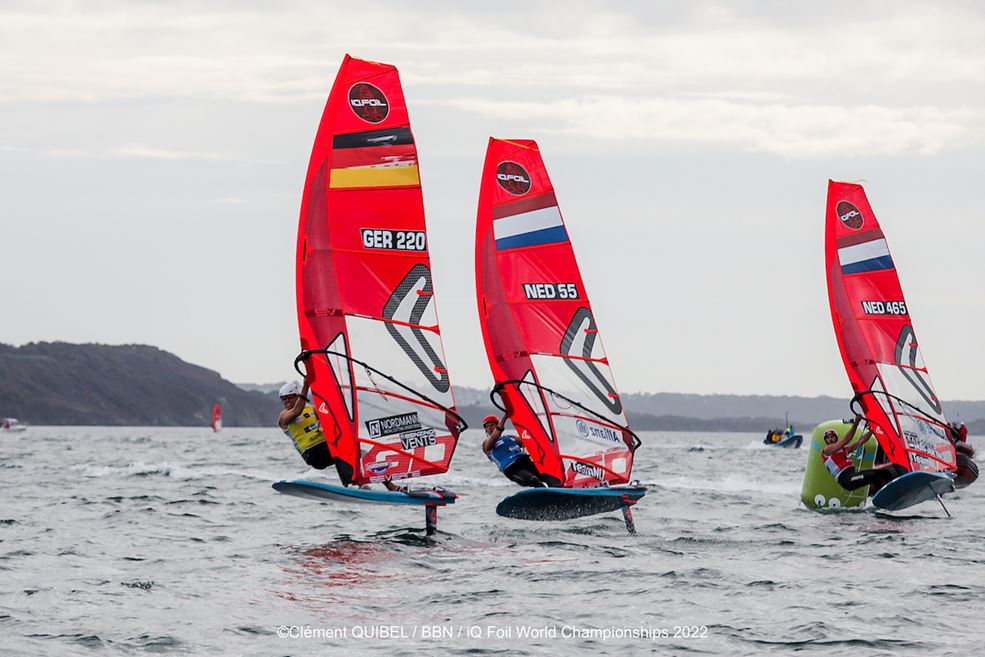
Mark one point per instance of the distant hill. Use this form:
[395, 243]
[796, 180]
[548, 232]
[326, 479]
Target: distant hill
[265, 388]
[669, 411]
[63, 384]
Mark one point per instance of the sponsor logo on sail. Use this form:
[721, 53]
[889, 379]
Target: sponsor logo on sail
[387, 426]
[380, 467]
[894, 308]
[849, 215]
[417, 439]
[513, 178]
[368, 103]
[594, 431]
[587, 470]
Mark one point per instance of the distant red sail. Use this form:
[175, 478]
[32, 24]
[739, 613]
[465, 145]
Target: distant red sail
[876, 336]
[216, 418]
[538, 327]
[364, 290]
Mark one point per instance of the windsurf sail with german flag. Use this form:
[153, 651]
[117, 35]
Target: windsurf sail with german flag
[370, 340]
[216, 418]
[540, 334]
[876, 337]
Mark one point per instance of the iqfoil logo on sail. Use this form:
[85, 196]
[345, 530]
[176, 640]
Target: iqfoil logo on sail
[849, 215]
[513, 178]
[368, 103]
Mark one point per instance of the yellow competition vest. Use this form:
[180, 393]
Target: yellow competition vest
[305, 431]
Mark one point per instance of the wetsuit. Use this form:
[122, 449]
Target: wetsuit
[844, 472]
[514, 462]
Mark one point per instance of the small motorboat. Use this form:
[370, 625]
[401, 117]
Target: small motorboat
[783, 438]
[12, 424]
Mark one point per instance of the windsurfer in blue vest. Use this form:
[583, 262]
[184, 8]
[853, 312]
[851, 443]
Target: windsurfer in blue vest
[300, 422]
[836, 459]
[508, 454]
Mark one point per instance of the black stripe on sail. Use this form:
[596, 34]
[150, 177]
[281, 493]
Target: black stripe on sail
[387, 137]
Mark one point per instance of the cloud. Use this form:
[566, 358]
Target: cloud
[109, 49]
[146, 152]
[789, 130]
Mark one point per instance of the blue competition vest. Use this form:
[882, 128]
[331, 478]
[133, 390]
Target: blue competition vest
[505, 451]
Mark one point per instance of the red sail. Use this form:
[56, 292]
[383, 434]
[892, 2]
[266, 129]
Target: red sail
[539, 331]
[876, 336]
[216, 418]
[364, 292]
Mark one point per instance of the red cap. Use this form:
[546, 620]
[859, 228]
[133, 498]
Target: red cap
[490, 418]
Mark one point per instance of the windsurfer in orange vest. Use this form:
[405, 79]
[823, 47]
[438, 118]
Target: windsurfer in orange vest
[300, 422]
[836, 460]
[508, 454]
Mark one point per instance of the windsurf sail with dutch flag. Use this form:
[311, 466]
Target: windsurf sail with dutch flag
[876, 337]
[216, 418]
[370, 339]
[540, 334]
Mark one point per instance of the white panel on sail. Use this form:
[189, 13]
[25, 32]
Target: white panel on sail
[389, 413]
[372, 343]
[587, 389]
[917, 432]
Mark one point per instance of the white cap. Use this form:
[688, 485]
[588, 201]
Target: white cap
[292, 388]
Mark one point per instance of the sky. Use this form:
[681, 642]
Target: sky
[152, 158]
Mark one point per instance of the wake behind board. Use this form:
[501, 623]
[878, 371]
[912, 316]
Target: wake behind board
[430, 499]
[911, 489]
[567, 503]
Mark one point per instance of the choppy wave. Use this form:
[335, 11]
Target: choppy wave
[165, 541]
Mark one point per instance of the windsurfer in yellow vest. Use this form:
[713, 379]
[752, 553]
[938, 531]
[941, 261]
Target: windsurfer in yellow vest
[300, 422]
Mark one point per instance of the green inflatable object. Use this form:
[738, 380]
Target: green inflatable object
[820, 490]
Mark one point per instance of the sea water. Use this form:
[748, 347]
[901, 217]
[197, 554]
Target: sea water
[128, 541]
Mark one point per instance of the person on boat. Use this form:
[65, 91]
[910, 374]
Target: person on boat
[508, 454]
[300, 422]
[836, 459]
